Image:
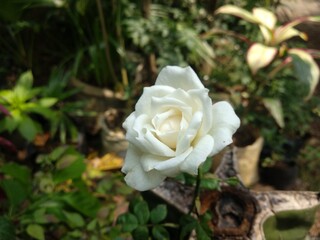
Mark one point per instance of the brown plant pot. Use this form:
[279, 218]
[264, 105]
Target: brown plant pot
[248, 146]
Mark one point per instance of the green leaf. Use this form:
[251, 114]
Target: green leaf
[43, 111]
[36, 231]
[201, 233]
[305, 68]
[84, 202]
[58, 152]
[28, 128]
[74, 220]
[66, 160]
[207, 165]
[10, 123]
[141, 233]
[70, 166]
[40, 216]
[25, 80]
[47, 102]
[289, 225]
[128, 221]
[21, 173]
[141, 210]
[92, 225]
[232, 181]
[23, 90]
[160, 233]
[7, 229]
[188, 223]
[15, 191]
[158, 214]
[6, 97]
[210, 183]
[274, 106]
[55, 209]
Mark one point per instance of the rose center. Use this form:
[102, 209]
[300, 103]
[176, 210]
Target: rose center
[171, 124]
[167, 126]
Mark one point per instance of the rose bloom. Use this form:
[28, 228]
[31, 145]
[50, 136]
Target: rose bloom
[174, 128]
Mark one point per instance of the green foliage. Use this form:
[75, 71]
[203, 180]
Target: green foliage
[36, 231]
[189, 223]
[158, 214]
[269, 78]
[143, 222]
[23, 101]
[7, 229]
[46, 201]
[17, 183]
[169, 26]
[64, 163]
[309, 164]
[66, 109]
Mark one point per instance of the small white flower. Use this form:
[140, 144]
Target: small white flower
[174, 128]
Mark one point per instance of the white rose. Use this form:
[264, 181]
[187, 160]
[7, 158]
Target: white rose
[174, 128]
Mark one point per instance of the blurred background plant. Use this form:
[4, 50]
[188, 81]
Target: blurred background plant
[65, 65]
[21, 103]
[273, 90]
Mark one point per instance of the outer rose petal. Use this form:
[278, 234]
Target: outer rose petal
[225, 124]
[139, 179]
[143, 106]
[171, 167]
[224, 116]
[198, 155]
[177, 77]
[132, 159]
[136, 177]
[222, 138]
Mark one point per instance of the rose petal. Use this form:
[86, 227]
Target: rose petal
[160, 105]
[144, 104]
[186, 137]
[141, 136]
[132, 159]
[179, 99]
[128, 123]
[224, 116]
[171, 167]
[177, 77]
[148, 161]
[206, 105]
[225, 124]
[140, 180]
[222, 138]
[136, 177]
[198, 155]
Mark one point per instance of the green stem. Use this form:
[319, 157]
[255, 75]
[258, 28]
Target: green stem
[196, 190]
[105, 39]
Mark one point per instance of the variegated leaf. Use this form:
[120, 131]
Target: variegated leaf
[306, 68]
[259, 56]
